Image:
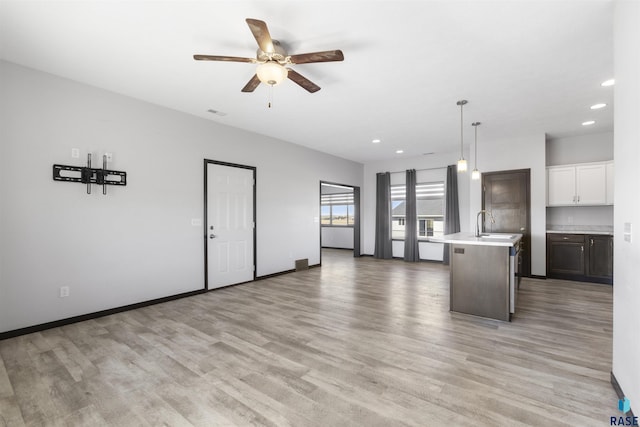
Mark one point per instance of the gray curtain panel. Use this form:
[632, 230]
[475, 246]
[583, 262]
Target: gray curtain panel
[452, 209]
[411, 250]
[383, 216]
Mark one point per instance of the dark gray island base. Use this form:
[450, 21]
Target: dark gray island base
[483, 274]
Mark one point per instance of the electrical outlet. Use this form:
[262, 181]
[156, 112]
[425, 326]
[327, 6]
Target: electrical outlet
[75, 153]
[64, 291]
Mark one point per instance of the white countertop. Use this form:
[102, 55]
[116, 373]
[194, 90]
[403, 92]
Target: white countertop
[510, 239]
[581, 229]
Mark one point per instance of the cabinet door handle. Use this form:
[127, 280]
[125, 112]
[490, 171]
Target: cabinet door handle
[591, 242]
[582, 248]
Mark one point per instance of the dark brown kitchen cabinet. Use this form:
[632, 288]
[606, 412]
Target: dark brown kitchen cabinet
[565, 255]
[600, 263]
[582, 257]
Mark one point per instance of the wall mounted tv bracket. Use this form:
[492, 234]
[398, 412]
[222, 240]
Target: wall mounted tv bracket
[88, 175]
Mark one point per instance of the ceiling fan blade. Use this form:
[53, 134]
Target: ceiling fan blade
[252, 84]
[326, 56]
[261, 33]
[304, 82]
[222, 58]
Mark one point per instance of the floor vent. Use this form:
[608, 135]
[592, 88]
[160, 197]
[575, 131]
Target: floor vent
[302, 264]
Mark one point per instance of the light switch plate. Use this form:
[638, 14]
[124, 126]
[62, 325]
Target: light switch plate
[196, 222]
[627, 232]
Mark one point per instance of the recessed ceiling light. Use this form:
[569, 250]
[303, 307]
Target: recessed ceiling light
[609, 82]
[375, 141]
[598, 106]
[588, 123]
[399, 151]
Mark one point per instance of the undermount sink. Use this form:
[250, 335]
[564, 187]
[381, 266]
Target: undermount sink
[496, 236]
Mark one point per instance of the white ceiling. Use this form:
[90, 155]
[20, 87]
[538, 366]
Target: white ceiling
[525, 67]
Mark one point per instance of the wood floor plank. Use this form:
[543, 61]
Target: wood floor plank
[358, 341]
[6, 389]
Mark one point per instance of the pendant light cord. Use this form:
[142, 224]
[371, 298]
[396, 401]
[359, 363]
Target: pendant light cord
[461, 133]
[475, 143]
[461, 104]
[476, 173]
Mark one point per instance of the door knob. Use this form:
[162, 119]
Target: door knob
[212, 236]
[522, 228]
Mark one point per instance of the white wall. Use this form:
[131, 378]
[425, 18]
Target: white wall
[579, 149]
[439, 162]
[137, 243]
[337, 237]
[524, 152]
[626, 289]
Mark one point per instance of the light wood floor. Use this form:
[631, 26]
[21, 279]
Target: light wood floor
[356, 342]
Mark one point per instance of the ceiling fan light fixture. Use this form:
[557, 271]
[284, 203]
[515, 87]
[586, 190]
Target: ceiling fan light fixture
[271, 73]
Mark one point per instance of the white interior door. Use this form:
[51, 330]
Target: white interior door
[230, 225]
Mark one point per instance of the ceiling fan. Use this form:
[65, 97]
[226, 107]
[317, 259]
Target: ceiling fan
[274, 62]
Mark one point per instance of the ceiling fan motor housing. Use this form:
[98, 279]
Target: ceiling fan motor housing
[278, 54]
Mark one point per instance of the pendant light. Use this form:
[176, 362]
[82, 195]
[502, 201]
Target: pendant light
[462, 163]
[475, 174]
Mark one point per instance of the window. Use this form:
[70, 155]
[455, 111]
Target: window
[337, 209]
[429, 206]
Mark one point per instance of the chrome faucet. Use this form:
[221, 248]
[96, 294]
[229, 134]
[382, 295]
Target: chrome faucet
[493, 220]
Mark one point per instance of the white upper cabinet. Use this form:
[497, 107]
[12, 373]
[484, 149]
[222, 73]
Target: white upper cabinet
[561, 186]
[583, 184]
[591, 184]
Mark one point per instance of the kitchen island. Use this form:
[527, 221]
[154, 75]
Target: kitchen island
[483, 273]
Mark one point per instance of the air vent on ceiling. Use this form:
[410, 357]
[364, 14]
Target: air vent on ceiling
[216, 112]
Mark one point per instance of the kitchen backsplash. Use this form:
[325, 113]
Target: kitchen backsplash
[580, 215]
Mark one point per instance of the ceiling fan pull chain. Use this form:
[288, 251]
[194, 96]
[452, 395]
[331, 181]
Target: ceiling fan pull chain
[270, 95]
